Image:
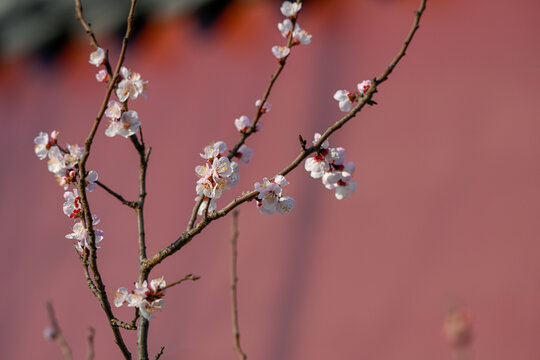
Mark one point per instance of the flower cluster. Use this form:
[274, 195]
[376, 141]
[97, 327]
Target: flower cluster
[72, 209]
[286, 27]
[346, 98]
[148, 298]
[243, 124]
[131, 85]
[123, 123]
[329, 165]
[218, 173]
[269, 199]
[63, 163]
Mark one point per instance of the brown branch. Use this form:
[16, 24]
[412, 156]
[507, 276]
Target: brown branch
[57, 333]
[98, 281]
[234, 283]
[194, 213]
[91, 333]
[417, 15]
[187, 236]
[185, 278]
[89, 282]
[90, 33]
[158, 355]
[131, 204]
[124, 325]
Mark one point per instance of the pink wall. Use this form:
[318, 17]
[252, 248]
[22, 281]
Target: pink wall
[446, 207]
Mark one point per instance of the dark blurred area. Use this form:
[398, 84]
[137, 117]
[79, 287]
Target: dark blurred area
[44, 27]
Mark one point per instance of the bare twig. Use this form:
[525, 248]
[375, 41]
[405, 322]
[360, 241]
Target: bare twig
[91, 333]
[158, 355]
[131, 204]
[187, 236]
[234, 283]
[57, 333]
[187, 277]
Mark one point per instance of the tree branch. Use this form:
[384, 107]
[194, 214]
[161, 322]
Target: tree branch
[234, 283]
[57, 333]
[91, 333]
[99, 284]
[187, 236]
[131, 204]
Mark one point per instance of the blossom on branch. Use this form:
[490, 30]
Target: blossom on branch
[269, 199]
[131, 85]
[114, 110]
[218, 173]
[280, 52]
[148, 298]
[127, 125]
[245, 154]
[97, 57]
[101, 75]
[265, 108]
[328, 164]
[242, 123]
[80, 233]
[43, 144]
[345, 99]
[290, 9]
[363, 87]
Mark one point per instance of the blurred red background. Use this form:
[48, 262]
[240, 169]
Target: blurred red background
[446, 205]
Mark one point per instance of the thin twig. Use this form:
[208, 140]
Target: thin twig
[90, 33]
[234, 283]
[91, 333]
[57, 333]
[131, 204]
[158, 355]
[187, 277]
[187, 236]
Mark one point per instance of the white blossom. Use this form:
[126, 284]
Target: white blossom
[56, 163]
[121, 296]
[114, 110]
[43, 144]
[285, 204]
[80, 233]
[290, 9]
[245, 154]
[344, 189]
[269, 199]
[147, 298]
[280, 52]
[265, 108]
[91, 179]
[97, 57]
[363, 87]
[127, 125]
[345, 99]
[285, 27]
[214, 149]
[301, 36]
[72, 204]
[242, 123]
[101, 75]
[131, 85]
